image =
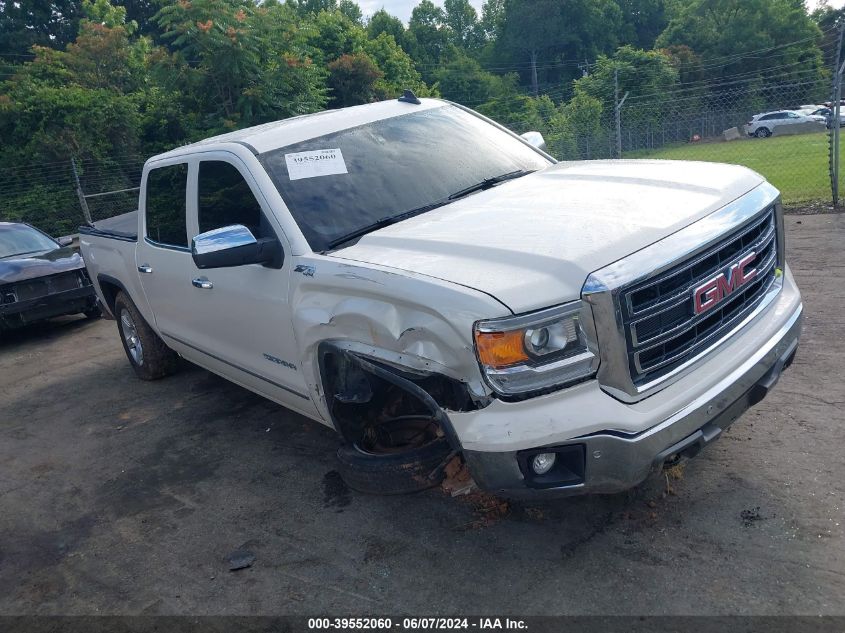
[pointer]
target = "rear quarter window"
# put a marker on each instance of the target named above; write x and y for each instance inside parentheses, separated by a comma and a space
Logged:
(166, 218)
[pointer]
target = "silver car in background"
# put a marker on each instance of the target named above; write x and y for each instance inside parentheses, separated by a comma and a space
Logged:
(784, 122)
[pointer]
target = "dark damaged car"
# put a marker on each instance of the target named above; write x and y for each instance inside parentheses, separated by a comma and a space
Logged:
(40, 278)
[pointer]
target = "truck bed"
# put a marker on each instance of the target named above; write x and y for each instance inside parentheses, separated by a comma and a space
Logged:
(108, 248)
(120, 227)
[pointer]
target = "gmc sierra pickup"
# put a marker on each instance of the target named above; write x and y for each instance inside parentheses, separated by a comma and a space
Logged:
(434, 286)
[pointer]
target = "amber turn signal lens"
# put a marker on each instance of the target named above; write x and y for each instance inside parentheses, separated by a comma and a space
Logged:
(500, 349)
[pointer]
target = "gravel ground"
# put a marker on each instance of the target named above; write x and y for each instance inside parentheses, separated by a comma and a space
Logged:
(124, 497)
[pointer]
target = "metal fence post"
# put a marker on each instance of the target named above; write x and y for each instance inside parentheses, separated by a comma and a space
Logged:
(82, 201)
(833, 143)
(617, 106)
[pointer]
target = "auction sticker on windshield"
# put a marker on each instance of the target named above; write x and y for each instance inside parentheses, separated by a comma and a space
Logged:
(321, 162)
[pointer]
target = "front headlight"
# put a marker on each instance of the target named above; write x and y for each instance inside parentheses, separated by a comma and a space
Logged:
(536, 351)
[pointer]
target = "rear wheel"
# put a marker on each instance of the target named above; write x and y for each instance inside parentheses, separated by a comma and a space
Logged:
(763, 132)
(147, 353)
(398, 456)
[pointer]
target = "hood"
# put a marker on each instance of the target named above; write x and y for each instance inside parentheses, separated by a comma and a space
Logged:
(532, 242)
(22, 267)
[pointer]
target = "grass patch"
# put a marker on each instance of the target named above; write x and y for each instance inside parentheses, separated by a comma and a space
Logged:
(797, 165)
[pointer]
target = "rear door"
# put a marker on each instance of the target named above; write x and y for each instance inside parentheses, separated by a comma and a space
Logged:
(163, 256)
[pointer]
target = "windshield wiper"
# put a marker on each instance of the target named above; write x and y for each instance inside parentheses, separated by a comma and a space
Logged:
(393, 219)
(489, 182)
(386, 221)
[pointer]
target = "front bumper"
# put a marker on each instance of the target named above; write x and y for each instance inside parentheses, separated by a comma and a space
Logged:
(615, 461)
(20, 313)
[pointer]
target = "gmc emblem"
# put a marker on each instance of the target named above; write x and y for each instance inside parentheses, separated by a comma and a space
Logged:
(711, 292)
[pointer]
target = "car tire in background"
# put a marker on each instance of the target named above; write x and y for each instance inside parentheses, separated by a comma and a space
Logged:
(147, 353)
(385, 471)
(763, 132)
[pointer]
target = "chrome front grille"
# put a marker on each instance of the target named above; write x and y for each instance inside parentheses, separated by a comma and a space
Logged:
(646, 327)
(661, 327)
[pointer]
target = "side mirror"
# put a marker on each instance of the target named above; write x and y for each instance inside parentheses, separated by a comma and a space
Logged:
(536, 139)
(67, 240)
(234, 246)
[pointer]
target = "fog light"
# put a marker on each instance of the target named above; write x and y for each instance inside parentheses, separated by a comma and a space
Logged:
(543, 462)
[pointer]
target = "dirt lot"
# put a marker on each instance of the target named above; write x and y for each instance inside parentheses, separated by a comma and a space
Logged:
(118, 496)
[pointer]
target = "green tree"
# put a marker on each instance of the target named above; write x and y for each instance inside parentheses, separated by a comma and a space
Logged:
(732, 33)
(305, 7)
(642, 22)
(576, 131)
(142, 12)
(351, 10)
(427, 36)
(828, 18)
(332, 34)
(382, 22)
(247, 63)
(353, 80)
(24, 23)
(549, 30)
(492, 18)
(396, 66)
(640, 74)
(462, 21)
(463, 80)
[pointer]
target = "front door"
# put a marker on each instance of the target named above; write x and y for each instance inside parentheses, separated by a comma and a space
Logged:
(242, 315)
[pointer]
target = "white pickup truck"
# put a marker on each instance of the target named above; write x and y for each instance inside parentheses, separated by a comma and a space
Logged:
(432, 285)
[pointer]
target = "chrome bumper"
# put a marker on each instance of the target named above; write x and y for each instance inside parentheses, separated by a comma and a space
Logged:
(614, 461)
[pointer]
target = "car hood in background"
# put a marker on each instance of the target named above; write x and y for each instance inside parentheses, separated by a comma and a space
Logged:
(532, 242)
(23, 267)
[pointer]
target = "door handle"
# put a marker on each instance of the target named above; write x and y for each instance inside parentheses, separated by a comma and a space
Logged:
(145, 268)
(202, 282)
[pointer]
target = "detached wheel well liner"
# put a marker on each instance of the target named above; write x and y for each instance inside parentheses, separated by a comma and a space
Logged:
(359, 388)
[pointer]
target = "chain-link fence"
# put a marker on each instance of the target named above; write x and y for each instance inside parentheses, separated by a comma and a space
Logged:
(59, 197)
(734, 121)
(779, 130)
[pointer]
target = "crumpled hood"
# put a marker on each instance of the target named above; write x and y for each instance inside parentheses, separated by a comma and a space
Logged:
(532, 242)
(21, 268)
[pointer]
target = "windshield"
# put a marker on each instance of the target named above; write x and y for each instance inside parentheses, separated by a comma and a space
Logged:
(19, 239)
(341, 183)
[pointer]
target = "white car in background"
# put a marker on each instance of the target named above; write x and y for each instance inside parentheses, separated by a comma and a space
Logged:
(783, 122)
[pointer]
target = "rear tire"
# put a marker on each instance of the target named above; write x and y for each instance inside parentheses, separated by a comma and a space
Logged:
(392, 473)
(147, 353)
(763, 132)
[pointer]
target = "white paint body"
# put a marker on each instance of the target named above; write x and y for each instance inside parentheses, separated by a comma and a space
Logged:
(409, 294)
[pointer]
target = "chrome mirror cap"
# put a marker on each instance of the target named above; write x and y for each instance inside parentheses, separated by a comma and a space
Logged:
(536, 139)
(222, 239)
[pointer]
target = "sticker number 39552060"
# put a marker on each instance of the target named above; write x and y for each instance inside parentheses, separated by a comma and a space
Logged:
(321, 162)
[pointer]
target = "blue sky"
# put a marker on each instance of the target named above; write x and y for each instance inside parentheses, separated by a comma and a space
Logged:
(402, 8)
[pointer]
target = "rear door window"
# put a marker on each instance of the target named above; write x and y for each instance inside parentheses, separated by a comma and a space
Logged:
(166, 218)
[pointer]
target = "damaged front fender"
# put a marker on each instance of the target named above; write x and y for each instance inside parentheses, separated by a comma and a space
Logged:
(414, 327)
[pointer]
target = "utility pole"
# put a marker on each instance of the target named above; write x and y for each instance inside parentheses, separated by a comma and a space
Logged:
(835, 123)
(617, 107)
(584, 68)
(82, 201)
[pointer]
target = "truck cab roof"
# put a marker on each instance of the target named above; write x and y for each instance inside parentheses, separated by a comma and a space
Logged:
(275, 134)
